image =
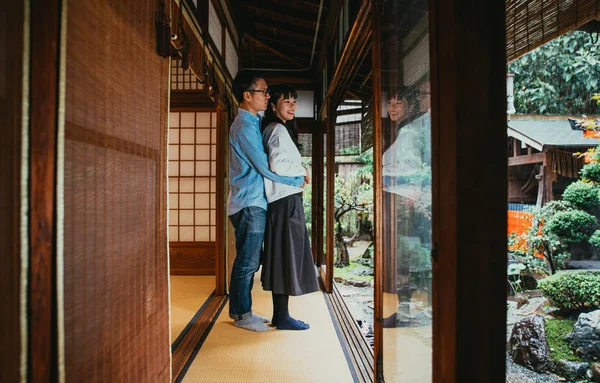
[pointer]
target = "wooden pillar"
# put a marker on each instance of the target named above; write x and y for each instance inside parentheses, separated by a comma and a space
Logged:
(378, 216)
(548, 195)
(317, 193)
(468, 66)
(46, 20)
(13, 189)
(541, 179)
(220, 272)
(330, 195)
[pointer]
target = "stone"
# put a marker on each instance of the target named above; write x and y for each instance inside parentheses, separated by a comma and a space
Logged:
(357, 283)
(595, 368)
(365, 262)
(362, 270)
(528, 345)
(571, 370)
(338, 279)
(584, 340)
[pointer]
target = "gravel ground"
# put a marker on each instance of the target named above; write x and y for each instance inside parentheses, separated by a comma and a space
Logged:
(515, 373)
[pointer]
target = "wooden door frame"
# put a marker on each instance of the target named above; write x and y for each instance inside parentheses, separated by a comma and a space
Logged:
(468, 82)
(326, 273)
(220, 178)
(468, 66)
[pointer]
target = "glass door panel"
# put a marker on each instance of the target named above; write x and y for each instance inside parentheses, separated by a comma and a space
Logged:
(405, 140)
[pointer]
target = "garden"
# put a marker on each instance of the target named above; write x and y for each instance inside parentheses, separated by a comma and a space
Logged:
(553, 320)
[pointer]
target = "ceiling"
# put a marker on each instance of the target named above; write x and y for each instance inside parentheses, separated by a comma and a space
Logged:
(280, 34)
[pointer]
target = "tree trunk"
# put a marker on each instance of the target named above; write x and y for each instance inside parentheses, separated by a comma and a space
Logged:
(343, 259)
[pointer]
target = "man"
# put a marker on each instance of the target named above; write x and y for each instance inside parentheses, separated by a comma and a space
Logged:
(247, 204)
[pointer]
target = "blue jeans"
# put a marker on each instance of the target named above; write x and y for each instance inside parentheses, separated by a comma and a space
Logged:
(249, 224)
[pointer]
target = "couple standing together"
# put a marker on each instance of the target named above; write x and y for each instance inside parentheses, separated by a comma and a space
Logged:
(266, 178)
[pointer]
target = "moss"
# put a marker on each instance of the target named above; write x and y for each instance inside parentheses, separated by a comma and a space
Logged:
(346, 273)
(556, 329)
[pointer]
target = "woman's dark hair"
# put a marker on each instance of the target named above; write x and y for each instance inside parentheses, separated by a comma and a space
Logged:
(276, 92)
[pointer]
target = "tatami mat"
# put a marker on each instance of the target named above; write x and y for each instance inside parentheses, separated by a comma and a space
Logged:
(231, 355)
(188, 294)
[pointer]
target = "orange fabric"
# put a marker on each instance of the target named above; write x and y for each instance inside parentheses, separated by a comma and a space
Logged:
(519, 223)
(591, 133)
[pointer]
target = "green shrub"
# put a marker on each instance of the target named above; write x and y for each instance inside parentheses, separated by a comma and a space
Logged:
(595, 238)
(572, 291)
(591, 172)
(583, 196)
(573, 226)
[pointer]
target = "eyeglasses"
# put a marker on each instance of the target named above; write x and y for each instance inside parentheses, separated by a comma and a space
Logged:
(265, 92)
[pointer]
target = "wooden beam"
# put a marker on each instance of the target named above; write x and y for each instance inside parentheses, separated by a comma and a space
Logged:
(280, 16)
(293, 47)
(308, 38)
(515, 147)
(272, 50)
(526, 159)
(302, 4)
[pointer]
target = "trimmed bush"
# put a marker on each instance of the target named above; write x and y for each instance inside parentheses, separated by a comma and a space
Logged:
(595, 239)
(582, 195)
(573, 226)
(591, 172)
(572, 291)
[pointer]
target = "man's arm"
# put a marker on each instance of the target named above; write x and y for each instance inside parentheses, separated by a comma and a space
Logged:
(251, 144)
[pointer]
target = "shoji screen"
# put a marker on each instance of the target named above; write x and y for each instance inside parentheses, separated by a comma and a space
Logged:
(183, 80)
(116, 313)
(192, 191)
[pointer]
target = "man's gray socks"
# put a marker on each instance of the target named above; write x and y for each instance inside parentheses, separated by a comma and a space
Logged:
(252, 323)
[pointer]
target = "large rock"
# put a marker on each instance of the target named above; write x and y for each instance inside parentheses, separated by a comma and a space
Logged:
(571, 370)
(596, 372)
(584, 340)
(528, 344)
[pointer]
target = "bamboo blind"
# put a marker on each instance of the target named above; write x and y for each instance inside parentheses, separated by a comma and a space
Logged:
(11, 104)
(192, 176)
(116, 313)
(531, 23)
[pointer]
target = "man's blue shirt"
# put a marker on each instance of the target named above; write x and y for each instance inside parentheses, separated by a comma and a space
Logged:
(248, 164)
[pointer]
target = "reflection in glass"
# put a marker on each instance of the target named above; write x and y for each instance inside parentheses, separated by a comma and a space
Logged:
(325, 255)
(406, 173)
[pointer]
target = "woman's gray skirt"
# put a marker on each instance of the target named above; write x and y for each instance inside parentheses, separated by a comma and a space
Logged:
(288, 266)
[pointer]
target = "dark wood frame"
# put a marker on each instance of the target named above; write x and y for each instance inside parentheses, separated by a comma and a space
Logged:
(45, 106)
(469, 257)
(14, 194)
(220, 262)
(220, 178)
(317, 194)
(327, 273)
(377, 195)
(468, 66)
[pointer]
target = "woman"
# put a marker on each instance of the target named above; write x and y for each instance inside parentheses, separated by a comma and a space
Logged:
(407, 202)
(288, 267)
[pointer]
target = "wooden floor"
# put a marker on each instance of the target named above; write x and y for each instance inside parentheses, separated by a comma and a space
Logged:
(230, 354)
